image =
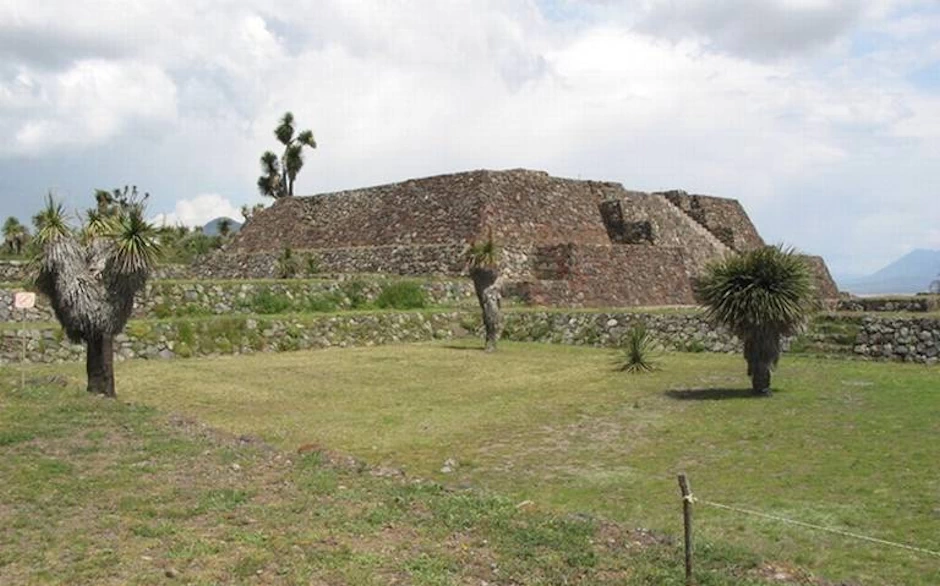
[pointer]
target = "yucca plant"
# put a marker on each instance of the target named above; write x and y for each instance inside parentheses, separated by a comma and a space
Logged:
(15, 235)
(280, 174)
(91, 276)
(761, 296)
(482, 260)
(637, 348)
(287, 265)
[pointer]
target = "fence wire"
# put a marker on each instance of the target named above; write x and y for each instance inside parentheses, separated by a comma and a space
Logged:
(693, 499)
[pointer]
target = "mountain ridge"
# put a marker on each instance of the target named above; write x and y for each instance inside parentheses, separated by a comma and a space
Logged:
(909, 274)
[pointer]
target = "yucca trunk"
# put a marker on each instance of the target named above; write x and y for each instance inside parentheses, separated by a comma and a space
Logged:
(99, 365)
(760, 377)
(762, 351)
(487, 290)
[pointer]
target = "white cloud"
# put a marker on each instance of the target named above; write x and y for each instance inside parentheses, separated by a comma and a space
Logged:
(90, 102)
(198, 211)
(812, 141)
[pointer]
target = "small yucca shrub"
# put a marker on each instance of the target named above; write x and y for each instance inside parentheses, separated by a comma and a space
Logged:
(288, 265)
(637, 350)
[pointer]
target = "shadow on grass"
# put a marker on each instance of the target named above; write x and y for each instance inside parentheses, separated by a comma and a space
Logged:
(712, 394)
(459, 347)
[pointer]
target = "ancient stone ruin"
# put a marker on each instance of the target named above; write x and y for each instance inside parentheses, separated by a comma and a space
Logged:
(565, 241)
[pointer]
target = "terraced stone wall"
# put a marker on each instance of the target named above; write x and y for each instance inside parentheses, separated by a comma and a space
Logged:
(607, 276)
(914, 303)
(162, 299)
(725, 218)
(908, 340)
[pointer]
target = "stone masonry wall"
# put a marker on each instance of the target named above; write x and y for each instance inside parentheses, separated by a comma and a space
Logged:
(674, 229)
(418, 260)
(237, 335)
(903, 339)
(16, 271)
(725, 218)
(434, 259)
(522, 208)
(909, 340)
(916, 304)
(162, 299)
(531, 207)
(612, 276)
(243, 335)
(826, 288)
(435, 210)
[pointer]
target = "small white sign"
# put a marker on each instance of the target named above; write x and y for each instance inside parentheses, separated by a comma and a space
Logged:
(24, 300)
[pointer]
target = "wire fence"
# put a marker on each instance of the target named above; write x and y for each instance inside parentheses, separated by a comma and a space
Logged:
(689, 500)
(832, 530)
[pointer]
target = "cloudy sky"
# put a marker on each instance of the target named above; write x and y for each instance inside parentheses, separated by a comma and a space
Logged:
(821, 116)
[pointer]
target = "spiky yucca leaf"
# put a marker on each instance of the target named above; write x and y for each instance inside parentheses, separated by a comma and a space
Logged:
(98, 225)
(136, 243)
(484, 254)
(51, 222)
(306, 138)
(636, 351)
(768, 289)
(285, 130)
(287, 265)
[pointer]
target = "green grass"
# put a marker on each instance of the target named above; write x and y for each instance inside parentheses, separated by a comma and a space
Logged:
(96, 491)
(842, 443)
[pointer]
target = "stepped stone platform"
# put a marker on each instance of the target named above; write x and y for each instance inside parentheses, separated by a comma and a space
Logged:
(565, 242)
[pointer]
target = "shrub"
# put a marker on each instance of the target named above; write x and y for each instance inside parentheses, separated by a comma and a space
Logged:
(355, 292)
(287, 265)
(636, 351)
(265, 302)
(311, 265)
(402, 295)
(321, 303)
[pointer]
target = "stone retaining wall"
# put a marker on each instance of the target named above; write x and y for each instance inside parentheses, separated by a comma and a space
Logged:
(623, 275)
(183, 338)
(161, 299)
(673, 331)
(237, 335)
(908, 340)
(914, 304)
(17, 271)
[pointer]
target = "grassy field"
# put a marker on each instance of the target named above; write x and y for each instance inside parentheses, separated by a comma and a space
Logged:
(101, 492)
(841, 443)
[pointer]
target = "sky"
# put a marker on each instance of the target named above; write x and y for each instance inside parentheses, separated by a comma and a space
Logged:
(821, 116)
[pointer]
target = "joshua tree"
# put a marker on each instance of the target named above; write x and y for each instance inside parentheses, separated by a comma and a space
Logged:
(279, 174)
(15, 235)
(483, 262)
(761, 296)
(91, 277)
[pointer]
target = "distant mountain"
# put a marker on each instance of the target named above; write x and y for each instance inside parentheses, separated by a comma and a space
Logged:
(212, 228)
(912, 273)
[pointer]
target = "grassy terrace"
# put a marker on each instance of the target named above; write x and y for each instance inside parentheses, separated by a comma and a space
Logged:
(103, 492)
(842, 443)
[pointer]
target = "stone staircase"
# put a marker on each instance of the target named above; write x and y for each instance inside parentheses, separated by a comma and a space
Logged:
(697, 225)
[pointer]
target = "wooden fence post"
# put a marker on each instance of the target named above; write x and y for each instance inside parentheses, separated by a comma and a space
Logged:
(687, 520)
